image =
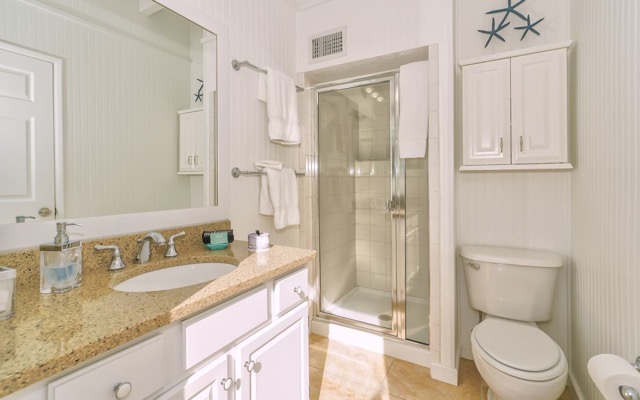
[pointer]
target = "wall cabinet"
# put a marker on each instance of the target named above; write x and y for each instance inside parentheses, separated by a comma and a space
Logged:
(191, 142)
(514, 112)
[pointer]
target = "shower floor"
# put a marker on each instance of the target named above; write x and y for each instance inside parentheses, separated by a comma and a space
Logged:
(374, 307)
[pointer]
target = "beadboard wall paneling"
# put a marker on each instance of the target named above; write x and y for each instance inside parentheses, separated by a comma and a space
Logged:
(263, 32)
(605, 186)
(103, 60)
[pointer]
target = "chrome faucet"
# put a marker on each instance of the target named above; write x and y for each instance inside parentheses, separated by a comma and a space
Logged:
(144, 246)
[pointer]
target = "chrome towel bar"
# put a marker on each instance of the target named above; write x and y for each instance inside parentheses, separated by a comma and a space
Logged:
(237, 172)
(239, 64)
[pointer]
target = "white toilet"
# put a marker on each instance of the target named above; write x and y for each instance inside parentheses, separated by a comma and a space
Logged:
(514, 288)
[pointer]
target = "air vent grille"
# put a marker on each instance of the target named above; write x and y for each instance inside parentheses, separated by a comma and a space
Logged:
(328, 45)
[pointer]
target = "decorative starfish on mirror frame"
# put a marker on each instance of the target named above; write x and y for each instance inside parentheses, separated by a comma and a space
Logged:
(509, 9)
(529, 27)
(494, 31)
(199, 94)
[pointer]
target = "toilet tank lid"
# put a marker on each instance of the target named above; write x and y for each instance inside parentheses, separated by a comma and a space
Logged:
(507, 255)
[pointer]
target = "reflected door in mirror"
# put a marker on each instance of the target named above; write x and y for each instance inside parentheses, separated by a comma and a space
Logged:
(26, 137)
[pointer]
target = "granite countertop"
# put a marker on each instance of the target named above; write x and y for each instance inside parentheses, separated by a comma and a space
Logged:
(54, 332)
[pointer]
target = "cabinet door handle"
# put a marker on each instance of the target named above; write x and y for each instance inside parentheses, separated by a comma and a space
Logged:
(501, 145)
(189, 160)
(122, 389)
(226, 383)
(195, 160)
(250, 365)
(521, 144)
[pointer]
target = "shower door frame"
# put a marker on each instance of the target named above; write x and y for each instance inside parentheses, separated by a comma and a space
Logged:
(398, 223)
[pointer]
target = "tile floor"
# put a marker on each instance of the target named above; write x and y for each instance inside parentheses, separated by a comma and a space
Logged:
(342, 372)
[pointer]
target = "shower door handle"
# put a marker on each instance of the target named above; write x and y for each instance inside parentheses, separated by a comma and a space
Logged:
(389, 206)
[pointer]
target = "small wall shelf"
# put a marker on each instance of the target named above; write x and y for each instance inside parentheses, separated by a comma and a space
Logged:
(516, 167)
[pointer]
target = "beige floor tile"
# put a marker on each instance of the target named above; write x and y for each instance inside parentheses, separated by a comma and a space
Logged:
(349, 363)
(327, 386)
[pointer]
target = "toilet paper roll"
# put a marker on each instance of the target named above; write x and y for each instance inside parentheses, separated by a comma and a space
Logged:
(609, 372)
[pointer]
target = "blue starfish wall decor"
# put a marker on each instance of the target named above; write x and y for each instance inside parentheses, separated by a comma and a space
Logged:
(529, 27)
(510, 9)
(494, 31)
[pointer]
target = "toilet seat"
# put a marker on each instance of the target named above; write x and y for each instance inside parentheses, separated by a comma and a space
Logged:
(518, 349)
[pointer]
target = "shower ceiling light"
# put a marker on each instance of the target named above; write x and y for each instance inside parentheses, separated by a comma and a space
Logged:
(374, 94)
(368, 89)
(380, 99)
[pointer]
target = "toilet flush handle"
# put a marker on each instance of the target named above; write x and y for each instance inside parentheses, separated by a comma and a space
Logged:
(473, 265)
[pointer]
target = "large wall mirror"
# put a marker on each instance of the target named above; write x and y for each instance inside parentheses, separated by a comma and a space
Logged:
(128, 86)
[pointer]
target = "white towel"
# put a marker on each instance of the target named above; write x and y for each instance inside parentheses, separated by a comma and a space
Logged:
(262, 164)
(283, 190)
(414, 110)
(279, 92)
(266, 206)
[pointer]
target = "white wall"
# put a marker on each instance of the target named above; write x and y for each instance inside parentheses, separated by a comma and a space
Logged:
(516, 209)
(605, 216)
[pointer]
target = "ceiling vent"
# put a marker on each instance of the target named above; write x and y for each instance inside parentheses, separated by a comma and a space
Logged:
(328, 45)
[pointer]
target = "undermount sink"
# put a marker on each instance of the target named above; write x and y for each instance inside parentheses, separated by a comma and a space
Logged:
(175, 277)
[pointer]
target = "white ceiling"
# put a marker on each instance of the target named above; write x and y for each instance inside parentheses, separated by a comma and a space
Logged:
(305, 4)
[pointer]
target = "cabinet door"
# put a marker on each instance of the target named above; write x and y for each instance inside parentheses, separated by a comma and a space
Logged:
(273, 364)
(214, 381)
(486, 113)
(539, 108)
(191, 137)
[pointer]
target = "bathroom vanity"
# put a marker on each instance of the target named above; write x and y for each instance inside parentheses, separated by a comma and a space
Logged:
(243, 335)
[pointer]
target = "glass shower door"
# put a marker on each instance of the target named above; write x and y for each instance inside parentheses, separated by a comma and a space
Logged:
(356, 184)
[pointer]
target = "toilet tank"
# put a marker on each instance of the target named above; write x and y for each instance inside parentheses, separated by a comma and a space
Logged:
(511, 283)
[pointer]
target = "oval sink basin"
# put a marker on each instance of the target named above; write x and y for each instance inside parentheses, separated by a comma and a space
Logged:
(175, 277)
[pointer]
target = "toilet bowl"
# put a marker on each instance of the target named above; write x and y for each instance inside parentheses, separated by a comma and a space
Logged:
(514, 288)
(518, 361)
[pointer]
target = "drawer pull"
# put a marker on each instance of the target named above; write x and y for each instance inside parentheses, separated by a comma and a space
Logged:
(122, 389)
(226, 383)
(297, 290)
(250, 365)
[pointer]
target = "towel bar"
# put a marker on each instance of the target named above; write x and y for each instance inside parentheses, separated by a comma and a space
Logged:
(236, 172)
(239, 64)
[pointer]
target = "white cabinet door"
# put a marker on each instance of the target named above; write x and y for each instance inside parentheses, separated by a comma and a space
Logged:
(214, 381)
(191, 142)
(539, 107)
(486, 113)
(273, 364)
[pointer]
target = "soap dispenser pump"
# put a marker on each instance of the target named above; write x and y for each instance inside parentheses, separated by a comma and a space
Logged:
(60, 262)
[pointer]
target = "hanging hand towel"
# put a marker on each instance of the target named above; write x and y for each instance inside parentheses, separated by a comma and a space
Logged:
(265, 206)
(414, 110)
(283, 188)
(262, 164)
(282, 106)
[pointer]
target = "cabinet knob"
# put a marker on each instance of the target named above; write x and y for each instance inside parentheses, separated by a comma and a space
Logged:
(226, 383)
(122, 389)
(297, 290)
(250, 365)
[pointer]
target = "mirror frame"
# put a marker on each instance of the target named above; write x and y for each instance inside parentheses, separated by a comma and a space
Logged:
(27, 235)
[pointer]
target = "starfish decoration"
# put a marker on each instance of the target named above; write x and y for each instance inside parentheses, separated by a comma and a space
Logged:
(509, 9)
(529, 27)
(199, 94)
(494, 31)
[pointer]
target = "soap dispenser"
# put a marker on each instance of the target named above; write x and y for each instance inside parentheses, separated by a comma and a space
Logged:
(60, 262)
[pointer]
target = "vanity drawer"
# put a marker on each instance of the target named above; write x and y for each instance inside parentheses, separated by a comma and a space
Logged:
(206, 335)
(290, 290)
(141, 366)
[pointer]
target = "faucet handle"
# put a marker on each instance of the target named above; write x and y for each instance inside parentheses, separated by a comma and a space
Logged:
(116, 261)
(171, 246)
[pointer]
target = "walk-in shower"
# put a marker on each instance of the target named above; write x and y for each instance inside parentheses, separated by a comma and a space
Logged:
(372, 208)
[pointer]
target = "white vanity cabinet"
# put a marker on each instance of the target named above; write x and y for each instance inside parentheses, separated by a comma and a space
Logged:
(191, 142)
(514, 111)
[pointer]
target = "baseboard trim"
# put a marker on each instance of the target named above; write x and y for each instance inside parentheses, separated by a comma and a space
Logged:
(576, 392)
